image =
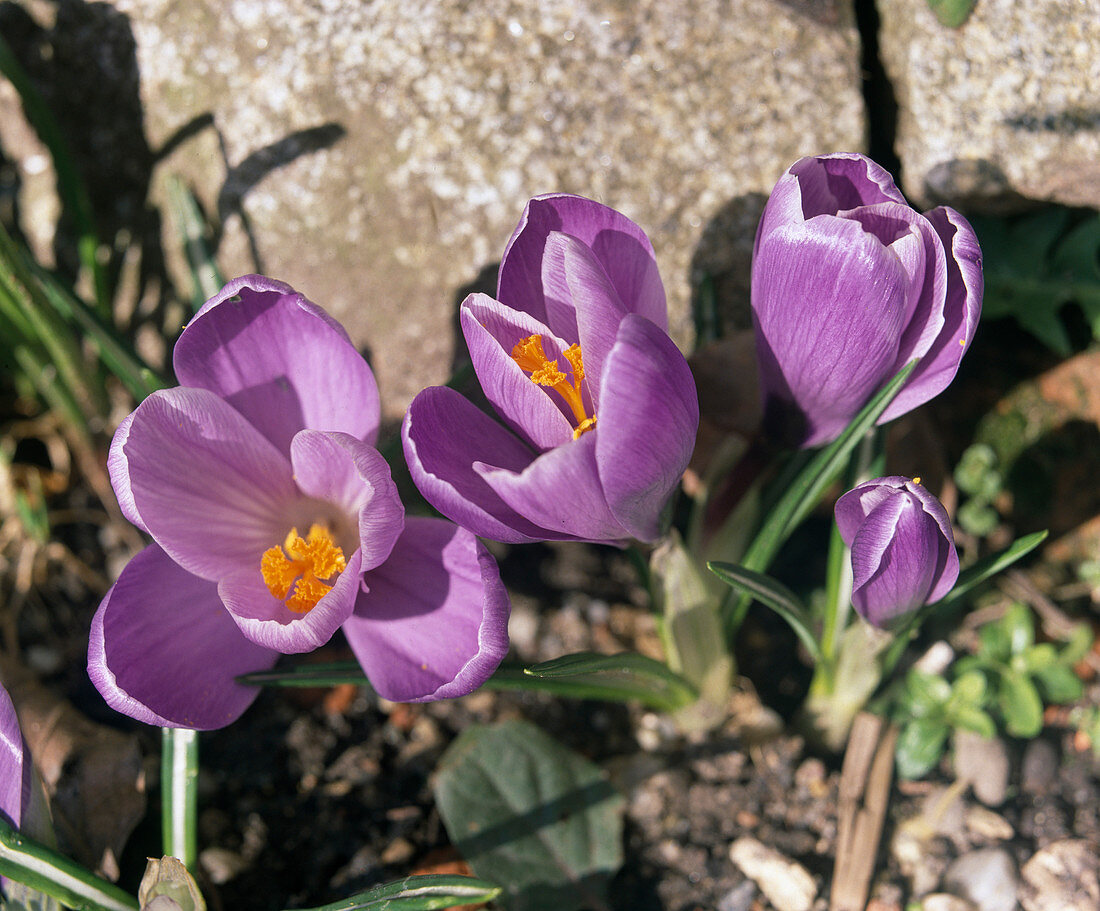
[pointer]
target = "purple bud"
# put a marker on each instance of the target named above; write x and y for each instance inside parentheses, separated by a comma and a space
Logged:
(903, 551)
(849, 284)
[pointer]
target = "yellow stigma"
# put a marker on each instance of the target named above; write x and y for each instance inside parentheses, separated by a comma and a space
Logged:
(304, 568)
(916, 480)
(531, 357)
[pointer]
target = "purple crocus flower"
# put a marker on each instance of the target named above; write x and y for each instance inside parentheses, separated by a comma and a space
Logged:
(903, 551)
(849, 284)
(16, 769)
(599, 405)
(275, 522)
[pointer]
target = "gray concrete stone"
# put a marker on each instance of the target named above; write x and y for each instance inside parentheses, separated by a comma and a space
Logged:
(1006, 106)
(378, 155)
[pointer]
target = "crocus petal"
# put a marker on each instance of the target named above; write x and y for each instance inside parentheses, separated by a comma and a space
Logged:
(828, 330)
(947, 561)
(894, 557)
(209, 488)
(163, 650)
(267, 621)
(620, 246)
(434, 623)
(279, 360)
(120, 473)
(560, 491)
(962, 308)
(443, 436)
(570, 266)
(647, 421)
(339, 469)
(853, 508)
(15, 776)
(492, 331)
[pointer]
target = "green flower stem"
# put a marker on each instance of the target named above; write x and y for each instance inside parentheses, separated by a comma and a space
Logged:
(179, 773)
(43, 869)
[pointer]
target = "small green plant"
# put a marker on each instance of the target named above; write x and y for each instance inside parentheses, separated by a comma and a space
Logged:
(929, 708)
(1021, 673)
(978, 476)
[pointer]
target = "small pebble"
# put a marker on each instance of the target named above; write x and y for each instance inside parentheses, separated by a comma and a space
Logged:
(221, 864)
(1062, 877)
(1040, 766)
(986, 877)
(739, 898)
(986, 825)
(945, 901)
(985, 764)
(787, 884)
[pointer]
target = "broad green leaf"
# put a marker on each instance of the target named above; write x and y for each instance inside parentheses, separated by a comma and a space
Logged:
(418, 893)
(1039, 657)
(952, 13)
(532, 815)
(969, 718)
(626, 675)
(1058, 683)
(969, 689)
(1078, 644)
(775, 595)
(47, 871)
(1021, 706)
(926, 693)
(920, 746)
(975, 575)
(1019, 625)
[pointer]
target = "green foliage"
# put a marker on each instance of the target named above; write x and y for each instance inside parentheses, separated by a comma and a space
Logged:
(1022, 673)
(1037, 263)
(929, 708)
(952, 13)
(978, 476)
(419, 893)
(529, 813)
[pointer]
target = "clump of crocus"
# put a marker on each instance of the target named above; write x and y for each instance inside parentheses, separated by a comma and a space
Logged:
(275, 522)
(903, 550)
(599, 405)
(849, 284)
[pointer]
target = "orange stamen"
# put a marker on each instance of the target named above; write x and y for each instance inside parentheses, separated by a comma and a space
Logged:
(532, 359)
(304, 568)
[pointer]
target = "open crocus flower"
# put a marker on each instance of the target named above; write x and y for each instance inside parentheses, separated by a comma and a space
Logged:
(600, 406)
(849, 284)
(275, 522)
(16, 770)
(903, 550)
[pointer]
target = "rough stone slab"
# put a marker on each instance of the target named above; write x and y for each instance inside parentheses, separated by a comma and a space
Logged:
(378, 155)
(1007, 106)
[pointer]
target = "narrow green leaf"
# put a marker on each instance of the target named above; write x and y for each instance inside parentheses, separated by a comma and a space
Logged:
(626, 675)
(206, 277)
(975, 575)
(179, 775)
(775, 595)
(532, 815)
(418, 893)
(47, 871)
(331, 673)
(808, 487)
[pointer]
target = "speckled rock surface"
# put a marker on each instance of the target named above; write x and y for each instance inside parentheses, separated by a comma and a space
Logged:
(1004, 107)
(377, 155)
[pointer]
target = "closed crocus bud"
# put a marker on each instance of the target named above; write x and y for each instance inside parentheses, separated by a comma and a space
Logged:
(903, 551)
(849, 284)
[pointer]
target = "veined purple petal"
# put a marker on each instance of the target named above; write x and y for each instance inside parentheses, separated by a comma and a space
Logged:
(492, 331)
(620, 246)
(434, 623)
(962, 308)
(828, 303)
(842, 181)
(352, 475)
(560, 491)
(163, 650)
(208, 486)
(267, 621)
(597, 307)
(947, 560)
(279, 360)
(444, 435)
(119, 473)
(853, 508)
(894, 557)
(647, 422)
(15, 775)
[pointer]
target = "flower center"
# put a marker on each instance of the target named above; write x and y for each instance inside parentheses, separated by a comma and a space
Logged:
(531, 357)
(303, 568)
